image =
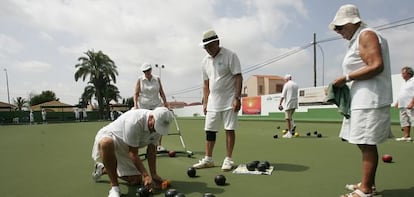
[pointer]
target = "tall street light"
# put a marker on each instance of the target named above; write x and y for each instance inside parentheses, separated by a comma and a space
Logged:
(323, 64)
(159, 68)
(7, 83)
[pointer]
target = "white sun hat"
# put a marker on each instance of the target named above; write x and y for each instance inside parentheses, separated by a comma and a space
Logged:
(208, 37)
(145, 67)
(346, 14)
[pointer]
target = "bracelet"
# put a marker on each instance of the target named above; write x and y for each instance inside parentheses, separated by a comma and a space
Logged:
(347, 79)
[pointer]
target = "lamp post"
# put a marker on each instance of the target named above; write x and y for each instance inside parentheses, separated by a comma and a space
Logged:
(323, 64)
(159, 69)
(7, 83)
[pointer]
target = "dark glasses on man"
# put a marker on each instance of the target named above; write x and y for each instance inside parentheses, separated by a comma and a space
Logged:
(339, 28)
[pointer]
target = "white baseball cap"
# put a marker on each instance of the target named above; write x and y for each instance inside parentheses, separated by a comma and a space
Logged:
(163, 117)
(208, 37)
(346, 14)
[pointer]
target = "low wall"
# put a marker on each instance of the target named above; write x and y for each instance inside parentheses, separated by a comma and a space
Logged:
(324, 113)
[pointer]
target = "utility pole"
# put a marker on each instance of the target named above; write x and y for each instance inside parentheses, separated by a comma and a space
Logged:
(314, 59)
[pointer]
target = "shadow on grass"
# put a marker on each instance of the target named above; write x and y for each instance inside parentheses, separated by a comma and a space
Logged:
(289, 167)
(397, 192)
(185, 187)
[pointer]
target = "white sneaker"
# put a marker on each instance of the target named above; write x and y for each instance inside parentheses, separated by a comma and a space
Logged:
(161, 148)
(403, 139)
(227, 165)
(97, 173)
(114, 193)
(204, 163)
(287, 135)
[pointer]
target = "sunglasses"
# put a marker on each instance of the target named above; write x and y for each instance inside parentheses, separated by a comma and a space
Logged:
(339, 28)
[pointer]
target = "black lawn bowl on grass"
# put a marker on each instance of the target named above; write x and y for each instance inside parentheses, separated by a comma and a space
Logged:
(220, 180)
(262, 167)
(143, 191)
(171, 193)
(191, 172)
(251, 166)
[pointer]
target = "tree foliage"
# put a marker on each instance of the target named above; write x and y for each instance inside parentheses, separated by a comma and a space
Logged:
(20, 103)
(45, 96)
(100, 72)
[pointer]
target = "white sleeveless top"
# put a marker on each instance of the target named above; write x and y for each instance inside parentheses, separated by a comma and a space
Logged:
(149, 96)
(375, 92)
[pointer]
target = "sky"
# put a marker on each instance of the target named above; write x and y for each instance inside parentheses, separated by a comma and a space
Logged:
(41, 41)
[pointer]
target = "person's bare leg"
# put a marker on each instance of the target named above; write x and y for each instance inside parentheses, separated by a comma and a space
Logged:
(289, 125)
(406, 131)
(230, 141)
(107, 149)
(369, 166)
(209, 148)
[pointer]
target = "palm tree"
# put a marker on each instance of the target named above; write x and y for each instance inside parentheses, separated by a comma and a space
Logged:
(100, 69)
(110, 93)
(88, 93)
(20, 103)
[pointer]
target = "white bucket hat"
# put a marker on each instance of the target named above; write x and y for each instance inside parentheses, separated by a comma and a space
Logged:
(145, 67)
(208, 37)
(346, 14)
(163, 117)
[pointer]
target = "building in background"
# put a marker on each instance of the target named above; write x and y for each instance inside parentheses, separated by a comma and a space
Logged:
(257, 85)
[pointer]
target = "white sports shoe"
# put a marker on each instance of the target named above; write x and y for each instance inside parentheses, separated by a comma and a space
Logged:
(287, 135)
(227, 165)
(160, 148)
(403, 139)
(114, 193)
(97, 173)
(204, 163)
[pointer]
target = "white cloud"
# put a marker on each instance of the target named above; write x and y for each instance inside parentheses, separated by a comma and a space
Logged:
(34, 66)
(9, 45)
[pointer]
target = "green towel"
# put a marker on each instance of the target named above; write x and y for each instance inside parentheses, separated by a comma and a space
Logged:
(341, 98)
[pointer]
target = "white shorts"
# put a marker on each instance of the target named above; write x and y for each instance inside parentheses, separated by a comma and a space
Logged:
(214, 120)
(367, 126)
(289, 113)
(125, 166)
(406, 117)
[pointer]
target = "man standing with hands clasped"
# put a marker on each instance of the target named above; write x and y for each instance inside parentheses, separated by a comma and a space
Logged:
(290, 100)
(405, 103)
(221, 97)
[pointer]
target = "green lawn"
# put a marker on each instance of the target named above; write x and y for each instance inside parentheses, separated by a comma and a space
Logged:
(54, 160)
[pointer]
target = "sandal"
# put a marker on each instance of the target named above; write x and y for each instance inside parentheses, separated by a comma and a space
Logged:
(353, 187)
(359, 193)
